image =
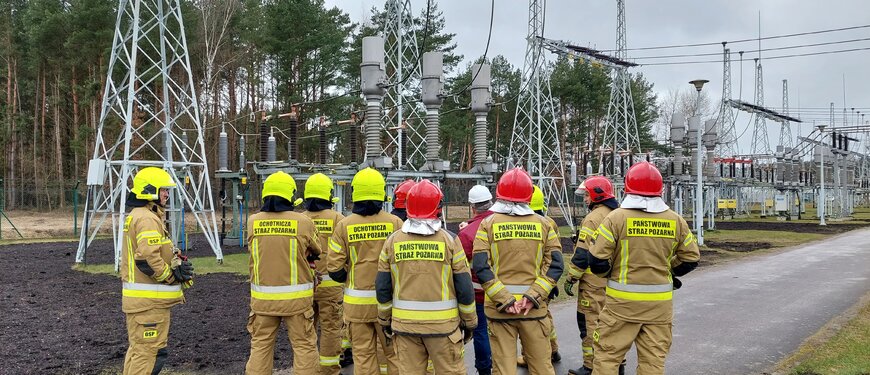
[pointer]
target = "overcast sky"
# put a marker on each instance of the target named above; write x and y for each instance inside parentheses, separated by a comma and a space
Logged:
(814, 81)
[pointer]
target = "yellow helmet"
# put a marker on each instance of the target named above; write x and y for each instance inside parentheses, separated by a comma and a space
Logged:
(279, 184)
(318, 186)
(148, 182)
(368, 185)
(537, 203)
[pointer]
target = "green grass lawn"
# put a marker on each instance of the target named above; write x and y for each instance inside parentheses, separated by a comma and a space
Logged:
(846, 353)
(233, 263)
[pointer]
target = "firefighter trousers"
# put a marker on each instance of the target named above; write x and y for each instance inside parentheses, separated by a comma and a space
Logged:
(303, 339)
(613, 338)
(327, 314)
(147, 333)
(366, 339)
(445, 352)
(589, 304)
(535, 338)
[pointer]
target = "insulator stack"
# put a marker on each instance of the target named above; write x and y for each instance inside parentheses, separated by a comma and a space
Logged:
(293, 131)
(264, 141)
(223, 152)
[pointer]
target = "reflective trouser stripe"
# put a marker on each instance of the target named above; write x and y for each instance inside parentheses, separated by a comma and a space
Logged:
(326, 282)
(154, 291)
(282, 292)
(328, 361)
(345, 344)
(360, 297)
(640, 292)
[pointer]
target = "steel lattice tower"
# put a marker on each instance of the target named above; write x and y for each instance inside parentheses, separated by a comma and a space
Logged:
(535, 141)
(620, 130)
(727, 133)
(785, 138)
(760, 141)
(402, 117)
(149, 92)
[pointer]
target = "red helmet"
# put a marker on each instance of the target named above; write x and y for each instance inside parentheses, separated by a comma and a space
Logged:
(643, 179)
(599, 188)
(401, 193)
(515, 185)
(424, 200)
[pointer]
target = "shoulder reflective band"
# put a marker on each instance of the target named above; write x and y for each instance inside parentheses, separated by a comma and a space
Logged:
(283, 292)
(334, 246)
(419, 310)
(517, 231)
(419, 250)
(324, 226)
(360, 297)
(153, 291)
(604, 232)
(275, 227)
(127, 223)
(639, 292)
(369, 232)
(661, 228)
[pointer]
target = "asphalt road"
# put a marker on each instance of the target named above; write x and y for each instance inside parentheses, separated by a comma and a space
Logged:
(744, 316)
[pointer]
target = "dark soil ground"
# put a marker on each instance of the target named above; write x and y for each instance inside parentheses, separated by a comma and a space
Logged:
(59, 321)
(787, 226)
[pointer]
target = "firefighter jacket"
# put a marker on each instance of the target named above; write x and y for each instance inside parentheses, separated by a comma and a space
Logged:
(516, 256)
(281, 245)
(466, 237)
(354, 249)
(146, 261)
(642, 249)
(424, 285)
(579, 266)
(325, 221)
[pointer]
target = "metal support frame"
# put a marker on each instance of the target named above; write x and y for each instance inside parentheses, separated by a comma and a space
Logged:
(728, 146)
(535, 141)
(150, 91)
(760, 141)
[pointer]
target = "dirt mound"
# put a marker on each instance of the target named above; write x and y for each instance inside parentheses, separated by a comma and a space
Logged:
(787, 226)
(742, 247)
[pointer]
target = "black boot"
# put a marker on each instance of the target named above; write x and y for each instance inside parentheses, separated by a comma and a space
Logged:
(346, 358)
(581, 371)
(555, 357)
(484, 371)
(622, 368)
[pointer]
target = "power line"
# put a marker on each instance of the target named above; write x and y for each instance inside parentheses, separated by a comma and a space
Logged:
(485, 52)
(766, 58)
(745, 40)
(752, 51)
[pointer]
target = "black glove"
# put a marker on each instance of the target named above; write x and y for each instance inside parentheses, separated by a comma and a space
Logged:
(388, 332)
(677, 283)
(569, 286)
(467, 333)
(184, 272)
(553, 293)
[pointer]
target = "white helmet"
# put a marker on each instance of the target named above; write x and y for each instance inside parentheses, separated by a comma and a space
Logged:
(479, 193)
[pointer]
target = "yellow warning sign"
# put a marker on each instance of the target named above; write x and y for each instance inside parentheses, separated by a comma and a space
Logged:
(722, 204)
(732, 203)
(369, 232)
(419, 250)
(275, 227)
(652, 228)
(517, 231)
(324, 226)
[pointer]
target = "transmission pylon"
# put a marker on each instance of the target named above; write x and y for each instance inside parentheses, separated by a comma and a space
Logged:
(150, 93)
(785, 139)
(728, 135)
(620, 131)
(760, 141)
(535, 141)
(402, 117)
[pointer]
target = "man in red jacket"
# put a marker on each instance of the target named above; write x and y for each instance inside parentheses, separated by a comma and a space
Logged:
(480, 200)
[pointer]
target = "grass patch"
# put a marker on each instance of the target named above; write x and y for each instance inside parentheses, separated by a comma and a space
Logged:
(233, 263)
(846, 353)
(773, 237)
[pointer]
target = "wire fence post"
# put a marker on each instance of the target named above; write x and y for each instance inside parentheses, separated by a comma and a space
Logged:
(75, 199)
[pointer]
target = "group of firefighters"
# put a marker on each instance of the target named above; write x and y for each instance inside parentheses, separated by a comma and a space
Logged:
(401, 294)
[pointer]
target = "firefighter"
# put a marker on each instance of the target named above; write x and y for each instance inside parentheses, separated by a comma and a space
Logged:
(283, 246)
(424, 291)
(537, 204)
(518, 259)
(641, 248)
(399, 198)
(480, 200)
(318, 205)
(354, 249)
(153, 275)
(597, 192)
